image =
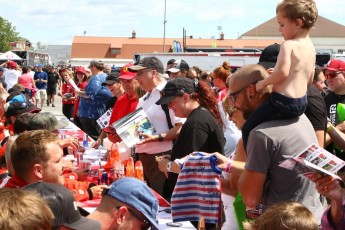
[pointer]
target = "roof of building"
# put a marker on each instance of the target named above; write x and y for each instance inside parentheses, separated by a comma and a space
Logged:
(118, 42)
(323, 27)
(125, 47)
(97, 47)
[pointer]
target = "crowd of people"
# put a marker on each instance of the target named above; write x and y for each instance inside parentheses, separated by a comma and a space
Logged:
(250, 121)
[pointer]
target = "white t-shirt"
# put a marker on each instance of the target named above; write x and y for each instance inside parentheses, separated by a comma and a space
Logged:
(11, 77)
(158, 119)
(231, 133)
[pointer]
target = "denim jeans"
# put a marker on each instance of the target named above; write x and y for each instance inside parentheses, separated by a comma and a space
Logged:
(277, 106)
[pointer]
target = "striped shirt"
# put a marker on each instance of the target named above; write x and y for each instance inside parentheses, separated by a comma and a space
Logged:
(197, 191)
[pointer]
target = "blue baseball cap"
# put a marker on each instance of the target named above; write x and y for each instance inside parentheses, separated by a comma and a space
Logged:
(137, 195)
(39, 65)
(19, 98)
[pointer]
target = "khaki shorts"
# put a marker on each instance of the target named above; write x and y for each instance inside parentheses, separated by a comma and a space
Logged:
(41, 94)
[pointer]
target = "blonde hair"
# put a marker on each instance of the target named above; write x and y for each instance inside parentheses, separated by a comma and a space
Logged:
(299, 9)
(284, 216)
(68, 72)
(227, 104)
(24, 210)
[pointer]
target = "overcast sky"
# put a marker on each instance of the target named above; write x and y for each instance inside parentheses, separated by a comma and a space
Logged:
(55, 22)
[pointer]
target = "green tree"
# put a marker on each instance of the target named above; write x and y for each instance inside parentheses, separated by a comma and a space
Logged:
(40, 45)
(8, 34)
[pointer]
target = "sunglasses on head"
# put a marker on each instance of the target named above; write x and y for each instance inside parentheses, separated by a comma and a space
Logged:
(230, 110)
(332, 75)
(172, 92)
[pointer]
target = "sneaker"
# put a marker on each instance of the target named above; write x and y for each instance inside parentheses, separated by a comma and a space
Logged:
(53, 105)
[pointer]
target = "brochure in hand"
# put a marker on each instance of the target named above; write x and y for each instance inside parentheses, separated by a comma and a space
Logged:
(67, 96)
(103, 121)
(74, 85)
(131, 126)
(314, 159)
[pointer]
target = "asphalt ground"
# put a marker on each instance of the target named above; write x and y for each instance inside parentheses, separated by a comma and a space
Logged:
(57, 110)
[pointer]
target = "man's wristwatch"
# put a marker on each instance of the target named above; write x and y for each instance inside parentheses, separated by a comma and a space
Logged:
(330, 127)
(160, 138)
(169, 166)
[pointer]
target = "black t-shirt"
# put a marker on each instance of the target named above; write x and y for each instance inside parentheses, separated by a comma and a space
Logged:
(53, 79)
(200, 132)
(111, 102)
(316, 109)
(332, 100)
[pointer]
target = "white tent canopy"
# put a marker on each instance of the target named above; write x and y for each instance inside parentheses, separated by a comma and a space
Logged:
(9, 55)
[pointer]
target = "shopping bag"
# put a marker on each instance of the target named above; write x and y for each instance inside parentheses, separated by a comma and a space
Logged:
(240, 211)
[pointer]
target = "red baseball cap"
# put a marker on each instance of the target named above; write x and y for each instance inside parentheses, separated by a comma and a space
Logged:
(12, 65)
(81, 70)
(335, 65)
(126, 74)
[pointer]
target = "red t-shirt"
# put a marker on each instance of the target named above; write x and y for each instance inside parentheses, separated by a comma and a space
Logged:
(15, 182)
(123, 106)
(78, 188)
(67, 88)
(221, 94)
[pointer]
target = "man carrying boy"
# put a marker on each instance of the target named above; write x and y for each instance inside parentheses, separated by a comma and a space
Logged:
(294, 69)
(269, 144)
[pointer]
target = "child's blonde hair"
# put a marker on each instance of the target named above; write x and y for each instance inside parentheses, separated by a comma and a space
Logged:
(284, 216)
(299, 9)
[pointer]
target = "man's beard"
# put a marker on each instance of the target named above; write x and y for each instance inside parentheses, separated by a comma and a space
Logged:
(246, 109)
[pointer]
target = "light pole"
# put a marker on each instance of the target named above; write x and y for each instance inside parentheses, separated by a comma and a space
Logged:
(165, 4)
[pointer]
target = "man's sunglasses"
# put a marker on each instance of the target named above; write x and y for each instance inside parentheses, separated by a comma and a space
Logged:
(233, 96)
(332, 75)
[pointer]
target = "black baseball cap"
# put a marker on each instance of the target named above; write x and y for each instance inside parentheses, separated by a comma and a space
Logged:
(148, 63)
(269, 55)
(111, 79)
(171, 61)
(178, 66)
(17, 108)
(62, 203)
(177, 87)
(18, 104)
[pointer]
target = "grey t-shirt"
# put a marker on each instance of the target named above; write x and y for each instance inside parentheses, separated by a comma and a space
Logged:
(271, 143)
